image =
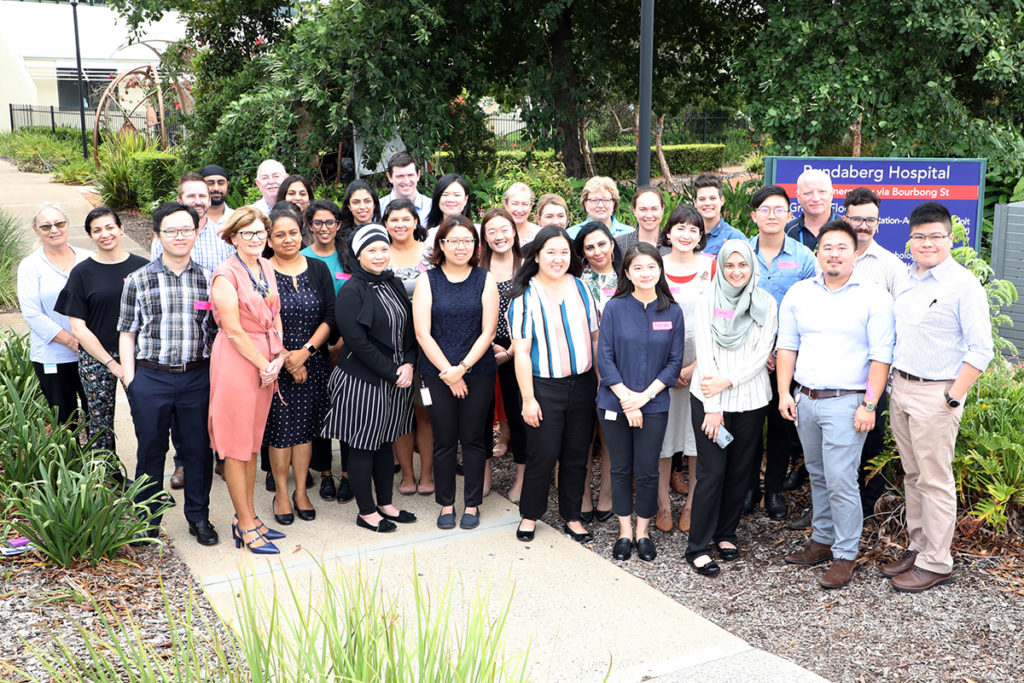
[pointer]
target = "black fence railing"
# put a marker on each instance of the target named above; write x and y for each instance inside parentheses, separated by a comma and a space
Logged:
(25, 116)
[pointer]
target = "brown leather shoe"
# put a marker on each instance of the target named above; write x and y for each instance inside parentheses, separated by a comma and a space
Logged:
(814, 553)
(178, 478)
(678, 483)
(897, 567)
(684, 519)
(916, 580)
(839, 574)
(664, 520)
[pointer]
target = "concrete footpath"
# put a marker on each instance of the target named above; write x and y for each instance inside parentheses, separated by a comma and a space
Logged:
(581, 617)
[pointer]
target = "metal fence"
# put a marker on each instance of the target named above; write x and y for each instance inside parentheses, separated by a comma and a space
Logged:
(24, 116)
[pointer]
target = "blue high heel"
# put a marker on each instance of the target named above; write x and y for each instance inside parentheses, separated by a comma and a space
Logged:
(268, 533)
(267, 548)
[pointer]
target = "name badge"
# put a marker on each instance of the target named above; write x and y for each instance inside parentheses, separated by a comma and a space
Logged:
(49, 368)
(675, 290)
(202, 306)
(608, 291)
(786, 265)
(425, 395)
(610, 415)
(342, 276)
(724, 313)
(661, 325)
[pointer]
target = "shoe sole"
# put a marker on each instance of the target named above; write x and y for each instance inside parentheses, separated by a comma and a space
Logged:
(940, 582)
(800, 563)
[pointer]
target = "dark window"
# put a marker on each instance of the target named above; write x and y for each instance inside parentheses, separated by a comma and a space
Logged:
(94, 82)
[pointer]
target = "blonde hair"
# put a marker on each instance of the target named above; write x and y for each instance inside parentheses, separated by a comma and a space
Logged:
(516, 188)
(243, 217)
(597, 183)
(551, 198)
(43, 207)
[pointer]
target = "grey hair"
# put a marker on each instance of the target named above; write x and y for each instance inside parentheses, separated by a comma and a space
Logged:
(43, 207)
(518, 187)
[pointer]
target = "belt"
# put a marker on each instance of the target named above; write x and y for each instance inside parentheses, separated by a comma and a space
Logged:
(915, 378)
(174, 369)
(826, 393)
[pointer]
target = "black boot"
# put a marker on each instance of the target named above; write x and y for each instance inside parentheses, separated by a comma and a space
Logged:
(750, 501)
(796, 479)
(775, 506)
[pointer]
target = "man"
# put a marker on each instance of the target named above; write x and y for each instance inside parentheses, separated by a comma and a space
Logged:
(835, 340)
(209, 250)
(269, 176)
(782, 262)
(166, 329)
(814, 192)
(943, 343)
(217, 183)
(709, 199)
(404, 176)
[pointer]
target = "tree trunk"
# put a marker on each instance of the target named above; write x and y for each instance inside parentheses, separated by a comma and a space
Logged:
(856, 130)
(562, 95)
(588, 159)
(666, 172)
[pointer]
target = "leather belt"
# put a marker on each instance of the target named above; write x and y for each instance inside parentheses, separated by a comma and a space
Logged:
(915, 378)
(174, 369)
(826, 393)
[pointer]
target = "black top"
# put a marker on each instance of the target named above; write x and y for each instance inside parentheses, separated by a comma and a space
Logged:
(456, 319)
(322, 284)
(364, 324)
(93, 293)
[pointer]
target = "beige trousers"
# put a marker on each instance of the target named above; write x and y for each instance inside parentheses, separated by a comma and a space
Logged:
(925, 429)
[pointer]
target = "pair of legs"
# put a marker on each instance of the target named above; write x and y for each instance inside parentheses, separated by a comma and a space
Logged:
(421, 438)
(99, 387)
(513, 403)
(781, 446)
(296, 457)
(664, 475)
(634, 454)
(240, 476)
(604, 496)
(369, 471)
(62, 388)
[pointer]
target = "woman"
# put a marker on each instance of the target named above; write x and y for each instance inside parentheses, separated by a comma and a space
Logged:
(246, 357)
(735, 325)
(648, 208)
(639, 355)
(323, 220)
(297, 190)
(409, 261)
(91, 300)
(551, 210)
(501, 256)
(361, 206)
(451, 197)
(371, 389)
(518, 201)
(600, 201)
(553, 322)
(601, 254)
(455, 309)
(307, 322)
(689, 275)
(41, 277)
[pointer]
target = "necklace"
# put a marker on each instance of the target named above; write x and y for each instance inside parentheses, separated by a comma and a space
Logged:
(260, 286)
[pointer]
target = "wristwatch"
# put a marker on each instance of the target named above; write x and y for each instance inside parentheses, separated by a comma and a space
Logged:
(868, 406)
(465, 367)
(309, 347)
(951, 402)
(652, 394)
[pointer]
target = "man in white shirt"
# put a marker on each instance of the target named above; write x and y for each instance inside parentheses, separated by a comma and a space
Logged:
(217, 183)
(269, 176)
(404, 176)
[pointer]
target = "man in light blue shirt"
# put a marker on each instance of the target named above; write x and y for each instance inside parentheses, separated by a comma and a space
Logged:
(835, 340)
(209, 250)
(708, 197)
(404, 176)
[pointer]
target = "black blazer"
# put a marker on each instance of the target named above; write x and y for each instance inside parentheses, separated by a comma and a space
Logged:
(363, 324)
(320, 281)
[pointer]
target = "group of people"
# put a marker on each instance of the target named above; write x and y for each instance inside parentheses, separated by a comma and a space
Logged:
(398, 324)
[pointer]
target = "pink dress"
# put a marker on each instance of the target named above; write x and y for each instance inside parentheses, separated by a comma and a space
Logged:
(238, 404)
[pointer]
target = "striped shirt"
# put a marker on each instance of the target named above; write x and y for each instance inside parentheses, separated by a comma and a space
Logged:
(209, 251)
(942, 322)
(560, 334)
(170, 313)
(744, 365)
(879, 265)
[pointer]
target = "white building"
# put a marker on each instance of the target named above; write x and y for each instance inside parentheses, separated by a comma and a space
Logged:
(37, 57)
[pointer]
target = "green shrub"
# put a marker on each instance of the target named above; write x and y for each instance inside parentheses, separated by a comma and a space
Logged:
(117, 187)
(33, 151)
(154, 176)
(738, 143)
(12, 249)
(620, 162)
(77, 171)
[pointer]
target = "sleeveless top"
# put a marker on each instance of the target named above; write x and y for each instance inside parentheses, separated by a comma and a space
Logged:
(456, 320)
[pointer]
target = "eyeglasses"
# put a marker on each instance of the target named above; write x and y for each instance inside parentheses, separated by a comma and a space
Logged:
(861, 220)
(463, 242)
(778, 211)
(919, 238)
(250, 235)
(180, 232)
(47, 227)
(599, 200)
(330, 223)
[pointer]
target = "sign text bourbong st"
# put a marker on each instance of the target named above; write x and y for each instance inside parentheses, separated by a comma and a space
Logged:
(901, 183)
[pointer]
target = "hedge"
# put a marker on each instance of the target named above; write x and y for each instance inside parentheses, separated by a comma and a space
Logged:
(152, 174)
(620, 162)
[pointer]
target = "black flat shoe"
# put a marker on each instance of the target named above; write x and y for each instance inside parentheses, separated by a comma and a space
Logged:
(775, 505)
(601, 515)
(403, 516)
(309, 479)
(270, 484)
(709, 569)
(345, 492)
(645, 549)
(587, 516)
(584, 537)
(304, 515)
(327, 488)
(727, 554)
(524, 535)
(283, 520)
(383, 526)
(623, 549)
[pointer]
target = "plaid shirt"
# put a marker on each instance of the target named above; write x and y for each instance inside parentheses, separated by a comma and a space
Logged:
(169, 313)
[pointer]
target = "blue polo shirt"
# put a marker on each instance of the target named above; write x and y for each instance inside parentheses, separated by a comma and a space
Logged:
(798, 231)
(794, 263)
(618, 228)
(718, 235)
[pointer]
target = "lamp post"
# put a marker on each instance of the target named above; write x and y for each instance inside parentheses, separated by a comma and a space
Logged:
(81, 85)
(643, 173)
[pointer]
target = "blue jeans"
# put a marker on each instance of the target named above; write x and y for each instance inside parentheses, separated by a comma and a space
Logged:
(832, 450)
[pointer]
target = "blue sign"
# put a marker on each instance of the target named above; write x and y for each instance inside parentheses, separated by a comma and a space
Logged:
(902, 184)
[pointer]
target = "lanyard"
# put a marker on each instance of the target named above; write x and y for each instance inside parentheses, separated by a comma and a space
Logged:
(262, 287)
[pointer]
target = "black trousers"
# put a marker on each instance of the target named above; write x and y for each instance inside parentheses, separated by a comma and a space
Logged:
(369, 470)
(62, 389)
(782, 445)
(564, 435)
(722, 477)
(156, 398)
(513, 410)
(454, 421)
(635, 453)
(873, 445)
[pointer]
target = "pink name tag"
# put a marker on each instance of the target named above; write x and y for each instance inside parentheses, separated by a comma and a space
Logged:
(724, 313)
(661, 325)
(342, 276)
(786, 265)
(675, 290)
(422, 268)
(608, 291)
(202, 305)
